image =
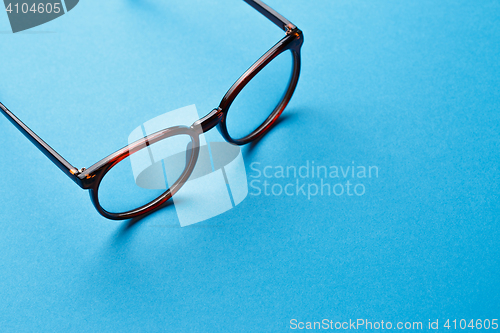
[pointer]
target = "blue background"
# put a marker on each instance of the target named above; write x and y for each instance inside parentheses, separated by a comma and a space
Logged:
(408, 86)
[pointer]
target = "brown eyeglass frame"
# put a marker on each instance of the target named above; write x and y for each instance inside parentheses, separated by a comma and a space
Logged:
(90, 179)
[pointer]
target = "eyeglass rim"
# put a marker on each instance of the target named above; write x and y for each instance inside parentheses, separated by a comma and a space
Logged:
(100, 171)
(291, 42)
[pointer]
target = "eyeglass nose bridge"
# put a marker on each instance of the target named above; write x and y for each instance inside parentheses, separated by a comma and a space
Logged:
(209, 121)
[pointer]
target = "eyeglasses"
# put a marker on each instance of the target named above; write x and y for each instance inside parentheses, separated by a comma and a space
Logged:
(244, 115)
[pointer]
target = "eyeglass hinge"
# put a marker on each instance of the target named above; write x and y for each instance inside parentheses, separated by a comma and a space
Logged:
(290, 28)
(76, 172)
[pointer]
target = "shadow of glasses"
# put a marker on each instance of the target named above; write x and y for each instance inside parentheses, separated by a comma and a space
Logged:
(249, 149)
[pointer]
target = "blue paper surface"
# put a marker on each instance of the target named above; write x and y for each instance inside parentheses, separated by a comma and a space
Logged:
(408, 87)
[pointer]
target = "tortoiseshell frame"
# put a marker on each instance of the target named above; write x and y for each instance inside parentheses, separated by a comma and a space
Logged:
(90, 179)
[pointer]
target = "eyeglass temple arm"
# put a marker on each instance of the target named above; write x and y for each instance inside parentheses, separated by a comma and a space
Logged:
(61, 163)
(271, 14)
